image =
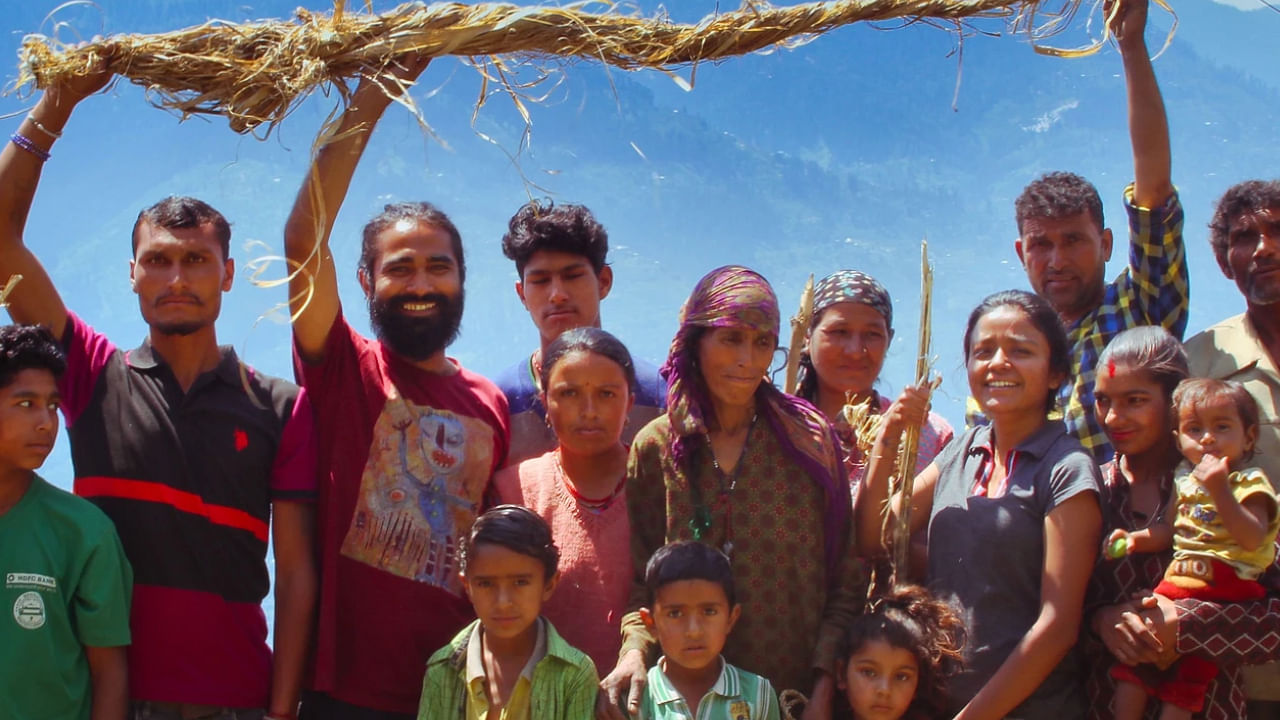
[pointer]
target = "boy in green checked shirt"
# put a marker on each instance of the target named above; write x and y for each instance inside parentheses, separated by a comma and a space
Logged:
(691, 611)
(510, 664)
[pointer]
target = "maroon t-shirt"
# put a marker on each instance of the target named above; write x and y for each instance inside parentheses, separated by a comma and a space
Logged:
(406, 457)
(189, 479)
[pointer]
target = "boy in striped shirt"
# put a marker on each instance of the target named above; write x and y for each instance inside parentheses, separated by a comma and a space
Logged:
(691, 610)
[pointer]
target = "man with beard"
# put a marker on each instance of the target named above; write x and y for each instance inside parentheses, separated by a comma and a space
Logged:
(1064, 245)
(1245, 235)
(194, 456)
(409, 439)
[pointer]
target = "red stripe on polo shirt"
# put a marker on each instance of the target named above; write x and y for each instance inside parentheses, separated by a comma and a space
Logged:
(186, 502)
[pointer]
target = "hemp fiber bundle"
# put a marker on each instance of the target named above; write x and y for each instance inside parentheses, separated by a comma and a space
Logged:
(257, 72)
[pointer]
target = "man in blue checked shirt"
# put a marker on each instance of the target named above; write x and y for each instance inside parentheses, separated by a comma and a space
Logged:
(1064, 245)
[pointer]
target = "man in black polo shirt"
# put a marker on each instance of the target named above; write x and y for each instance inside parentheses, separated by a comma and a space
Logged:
(193, 455)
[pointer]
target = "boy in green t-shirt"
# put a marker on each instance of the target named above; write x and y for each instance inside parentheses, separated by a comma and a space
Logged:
(64, 602)
(692, 609)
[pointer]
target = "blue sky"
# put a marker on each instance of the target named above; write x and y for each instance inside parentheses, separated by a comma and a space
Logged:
(1244, 5)
(842, 153)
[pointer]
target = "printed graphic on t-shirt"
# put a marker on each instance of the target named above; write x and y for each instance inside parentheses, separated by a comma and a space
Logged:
(28, 607)
(1200, 517)
(28, 610)
(422, 487)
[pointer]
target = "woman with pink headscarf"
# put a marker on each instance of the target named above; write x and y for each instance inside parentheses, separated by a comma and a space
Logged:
(739, 465)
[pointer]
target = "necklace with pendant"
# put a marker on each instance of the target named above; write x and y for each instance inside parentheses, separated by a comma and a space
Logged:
(701, 522)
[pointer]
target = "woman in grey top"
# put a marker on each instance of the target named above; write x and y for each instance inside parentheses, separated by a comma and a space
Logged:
(1013, 519)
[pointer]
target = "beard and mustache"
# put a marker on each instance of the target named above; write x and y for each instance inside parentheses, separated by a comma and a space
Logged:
(1260, 291)
(412, 337)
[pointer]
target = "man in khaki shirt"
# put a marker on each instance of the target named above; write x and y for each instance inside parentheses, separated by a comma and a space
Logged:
(1245, 235)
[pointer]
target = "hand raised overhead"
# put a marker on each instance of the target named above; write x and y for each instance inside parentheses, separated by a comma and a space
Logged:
(391, 82)
(96, 76)
(1127, 22)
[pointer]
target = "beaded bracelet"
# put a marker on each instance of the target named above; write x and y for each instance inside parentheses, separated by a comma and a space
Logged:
(51, 133)
(26, 144)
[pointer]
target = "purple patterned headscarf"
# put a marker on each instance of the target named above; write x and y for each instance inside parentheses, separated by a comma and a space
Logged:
(737, 297)
(730, 296)
(852, 286)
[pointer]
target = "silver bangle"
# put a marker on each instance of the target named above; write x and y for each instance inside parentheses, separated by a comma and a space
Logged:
(51, 133)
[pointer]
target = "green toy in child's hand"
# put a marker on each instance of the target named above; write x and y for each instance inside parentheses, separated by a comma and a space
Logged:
(1118, 548)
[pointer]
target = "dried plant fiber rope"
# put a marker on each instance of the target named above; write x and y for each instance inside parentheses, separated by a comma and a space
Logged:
(257, 72)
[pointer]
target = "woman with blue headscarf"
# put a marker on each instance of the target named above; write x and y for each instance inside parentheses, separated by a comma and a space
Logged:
(849, 334)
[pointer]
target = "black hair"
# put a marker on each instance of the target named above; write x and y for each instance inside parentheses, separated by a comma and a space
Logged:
(28, 347)
(421, 212)
(515, 528)
(808, 386)
(180, 212)
(910, 618)
(688, 560)
(1058, 195)
(592, 340)
(1250, 196)
(563, 228)
(1151, 349)
(1194, 392)
(1043, 317)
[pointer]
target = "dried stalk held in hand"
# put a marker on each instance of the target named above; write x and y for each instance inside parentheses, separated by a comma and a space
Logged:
(799, 329)
(909, 446)
(12, 283)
